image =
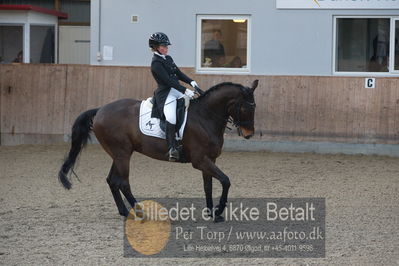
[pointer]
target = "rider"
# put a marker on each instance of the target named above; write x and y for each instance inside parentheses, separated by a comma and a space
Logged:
(167, 76)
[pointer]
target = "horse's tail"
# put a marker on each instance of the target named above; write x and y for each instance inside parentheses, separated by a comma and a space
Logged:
(80, 135)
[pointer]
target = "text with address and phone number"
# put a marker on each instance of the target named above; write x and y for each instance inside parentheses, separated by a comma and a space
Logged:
(254, 227)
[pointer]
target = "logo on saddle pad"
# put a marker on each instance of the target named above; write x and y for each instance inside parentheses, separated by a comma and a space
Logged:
(149, 124)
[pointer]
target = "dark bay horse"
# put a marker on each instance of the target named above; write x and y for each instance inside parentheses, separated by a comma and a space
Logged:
(116, 126)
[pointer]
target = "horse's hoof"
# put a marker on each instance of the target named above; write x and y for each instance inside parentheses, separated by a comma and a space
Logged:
(173, 159)
(218, 219)
(138, 211)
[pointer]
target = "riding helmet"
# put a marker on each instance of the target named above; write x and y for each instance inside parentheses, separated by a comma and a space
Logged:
(157, 39)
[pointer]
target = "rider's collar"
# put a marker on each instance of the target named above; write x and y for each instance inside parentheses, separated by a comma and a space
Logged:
(161, 55)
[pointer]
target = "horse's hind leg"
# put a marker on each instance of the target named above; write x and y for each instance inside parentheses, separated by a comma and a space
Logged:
(122, 168)
(113, 182)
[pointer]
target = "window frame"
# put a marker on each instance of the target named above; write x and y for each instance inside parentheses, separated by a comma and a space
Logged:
(392, 46)
(221, 70)
(389, 73)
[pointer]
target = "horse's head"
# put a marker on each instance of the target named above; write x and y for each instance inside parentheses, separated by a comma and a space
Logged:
(243, 111)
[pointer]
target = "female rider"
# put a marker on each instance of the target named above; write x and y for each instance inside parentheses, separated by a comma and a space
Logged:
(167, 76)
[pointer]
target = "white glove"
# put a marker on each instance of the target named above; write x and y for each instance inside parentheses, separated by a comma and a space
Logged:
(194, 84)
(189, 93)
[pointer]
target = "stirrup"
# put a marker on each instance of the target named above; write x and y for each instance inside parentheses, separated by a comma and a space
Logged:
(173, 155)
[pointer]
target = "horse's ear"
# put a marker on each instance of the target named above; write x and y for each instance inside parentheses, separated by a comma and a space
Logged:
(255, 84)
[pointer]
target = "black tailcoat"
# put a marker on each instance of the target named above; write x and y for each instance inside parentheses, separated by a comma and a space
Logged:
(167, 76)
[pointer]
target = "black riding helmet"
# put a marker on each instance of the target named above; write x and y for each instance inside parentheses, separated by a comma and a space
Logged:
(157, 39)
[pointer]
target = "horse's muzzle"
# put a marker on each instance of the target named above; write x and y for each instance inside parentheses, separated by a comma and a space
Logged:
(247, 134)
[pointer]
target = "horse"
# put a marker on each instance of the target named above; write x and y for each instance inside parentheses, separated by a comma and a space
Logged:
(116, 127)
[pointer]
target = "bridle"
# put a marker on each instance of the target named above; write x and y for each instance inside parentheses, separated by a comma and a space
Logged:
(237, 122)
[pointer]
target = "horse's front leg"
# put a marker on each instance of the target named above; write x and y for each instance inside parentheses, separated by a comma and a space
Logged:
(208, 192)
(209, 168)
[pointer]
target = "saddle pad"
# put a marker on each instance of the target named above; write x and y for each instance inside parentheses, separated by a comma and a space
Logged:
(150, 126)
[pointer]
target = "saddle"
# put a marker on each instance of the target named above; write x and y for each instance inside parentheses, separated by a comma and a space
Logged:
(155, 127)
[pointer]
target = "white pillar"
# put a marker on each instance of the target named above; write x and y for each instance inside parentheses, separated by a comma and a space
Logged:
(26, 40)
(56, 43)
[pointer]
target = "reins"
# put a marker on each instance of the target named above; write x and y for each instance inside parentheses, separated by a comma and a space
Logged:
(236, 122)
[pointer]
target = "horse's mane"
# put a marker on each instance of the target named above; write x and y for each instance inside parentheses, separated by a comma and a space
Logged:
(217, 87)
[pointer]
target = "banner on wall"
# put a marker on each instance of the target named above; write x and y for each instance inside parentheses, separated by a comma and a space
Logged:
(337, 4)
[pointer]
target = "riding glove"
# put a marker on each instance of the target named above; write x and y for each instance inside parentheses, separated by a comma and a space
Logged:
(194, 84)
(189, 93)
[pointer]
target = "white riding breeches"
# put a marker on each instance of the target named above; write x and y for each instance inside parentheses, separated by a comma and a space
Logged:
(169, 109)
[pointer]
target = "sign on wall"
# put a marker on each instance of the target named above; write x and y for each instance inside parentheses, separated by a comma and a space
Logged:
(337, 4)
(369, 83)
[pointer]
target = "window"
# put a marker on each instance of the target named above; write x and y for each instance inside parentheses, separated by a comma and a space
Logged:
(223, 43)
(11, 44)
(42, 47)
(363, 45)
(395, 44)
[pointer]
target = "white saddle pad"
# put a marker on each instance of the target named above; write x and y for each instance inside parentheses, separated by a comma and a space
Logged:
(150, 126)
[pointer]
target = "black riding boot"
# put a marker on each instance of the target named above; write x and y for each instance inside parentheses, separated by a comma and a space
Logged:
(171, 140)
